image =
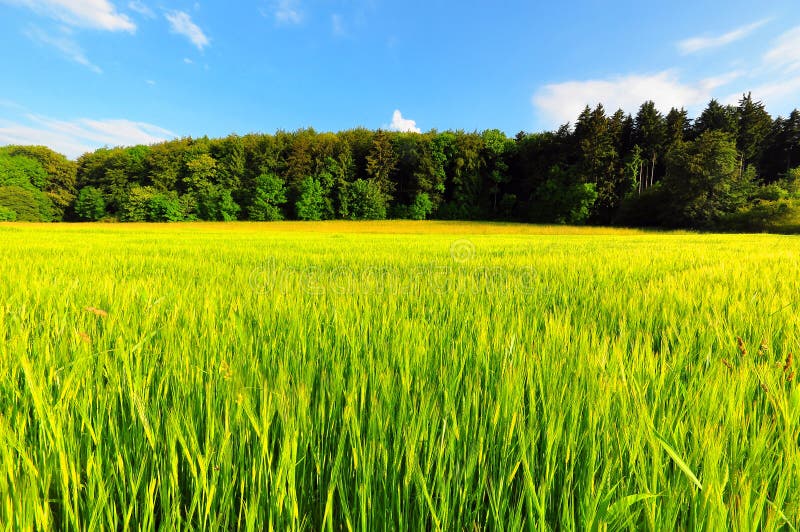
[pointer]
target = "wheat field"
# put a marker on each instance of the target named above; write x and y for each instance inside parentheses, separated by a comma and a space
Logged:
(397, 376)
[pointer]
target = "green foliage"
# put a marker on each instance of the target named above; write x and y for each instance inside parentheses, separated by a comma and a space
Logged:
(29, 205)
(365, 200)
(216, 204)
(650, 208)
(717, 117)
(60, 185)
(136, 204)
(705, 180)
(7, 215)
(463, 175)
(90, 204)
(270, 194)
(562, 199)
(21, 171)
(164, 207)
(311, 203)
(421, 208)
(754, 126)
(381, 162)
(774, 215)
(201, 172)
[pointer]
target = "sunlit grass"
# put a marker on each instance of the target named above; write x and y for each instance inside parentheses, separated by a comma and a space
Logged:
(397, 375)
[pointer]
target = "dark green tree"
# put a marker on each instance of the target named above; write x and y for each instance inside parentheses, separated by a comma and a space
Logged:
(705, 180)
(90, 204)
(650, 133)
(754, 127)
(717, 117)
(381, 162)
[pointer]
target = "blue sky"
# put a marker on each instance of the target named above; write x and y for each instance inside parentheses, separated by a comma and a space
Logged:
(86, 73)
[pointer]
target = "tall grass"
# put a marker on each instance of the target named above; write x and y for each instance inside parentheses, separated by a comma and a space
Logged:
(340, 376)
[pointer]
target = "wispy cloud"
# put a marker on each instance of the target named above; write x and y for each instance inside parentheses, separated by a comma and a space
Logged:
(785, 52)
(560, 103)
(94, 14)
(73, 138)
(181, 23)
(288, 11)
(141, 8)
(403, 124)
(64, 43)
(696, 44)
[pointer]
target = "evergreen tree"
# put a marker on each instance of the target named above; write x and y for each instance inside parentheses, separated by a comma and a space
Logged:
(650, 133)
(717, 117)
(754, 126)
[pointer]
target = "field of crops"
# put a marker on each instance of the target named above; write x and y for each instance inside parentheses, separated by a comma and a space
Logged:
(397, 376)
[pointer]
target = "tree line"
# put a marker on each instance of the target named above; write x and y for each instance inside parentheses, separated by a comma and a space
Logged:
(734, 166)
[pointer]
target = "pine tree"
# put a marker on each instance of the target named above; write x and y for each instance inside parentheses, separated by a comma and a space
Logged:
(754, 126)
(650, 133)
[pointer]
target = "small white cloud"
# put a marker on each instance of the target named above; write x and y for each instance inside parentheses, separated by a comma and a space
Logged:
(288, 12)
(181, 23)
(696, 44)
(188, 61)
(65, 44)
(141, 8)
(150, 82)
(561, 102)
(403, 124)
(73, 138)
(94, 14)
(785, 52)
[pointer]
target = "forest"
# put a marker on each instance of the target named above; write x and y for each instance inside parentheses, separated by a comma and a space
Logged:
(734, 167)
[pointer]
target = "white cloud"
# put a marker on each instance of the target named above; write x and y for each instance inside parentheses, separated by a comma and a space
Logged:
(181, 23)
(150, 82)
(696, 44)
(64, 43)
(73, 138)
(781, 94)
(94, 14)
(785, 52)
(288, 12)
(560, 103)
(141, 8)
(403, 124)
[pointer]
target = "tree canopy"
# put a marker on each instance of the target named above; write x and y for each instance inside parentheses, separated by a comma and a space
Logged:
(646, 168)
